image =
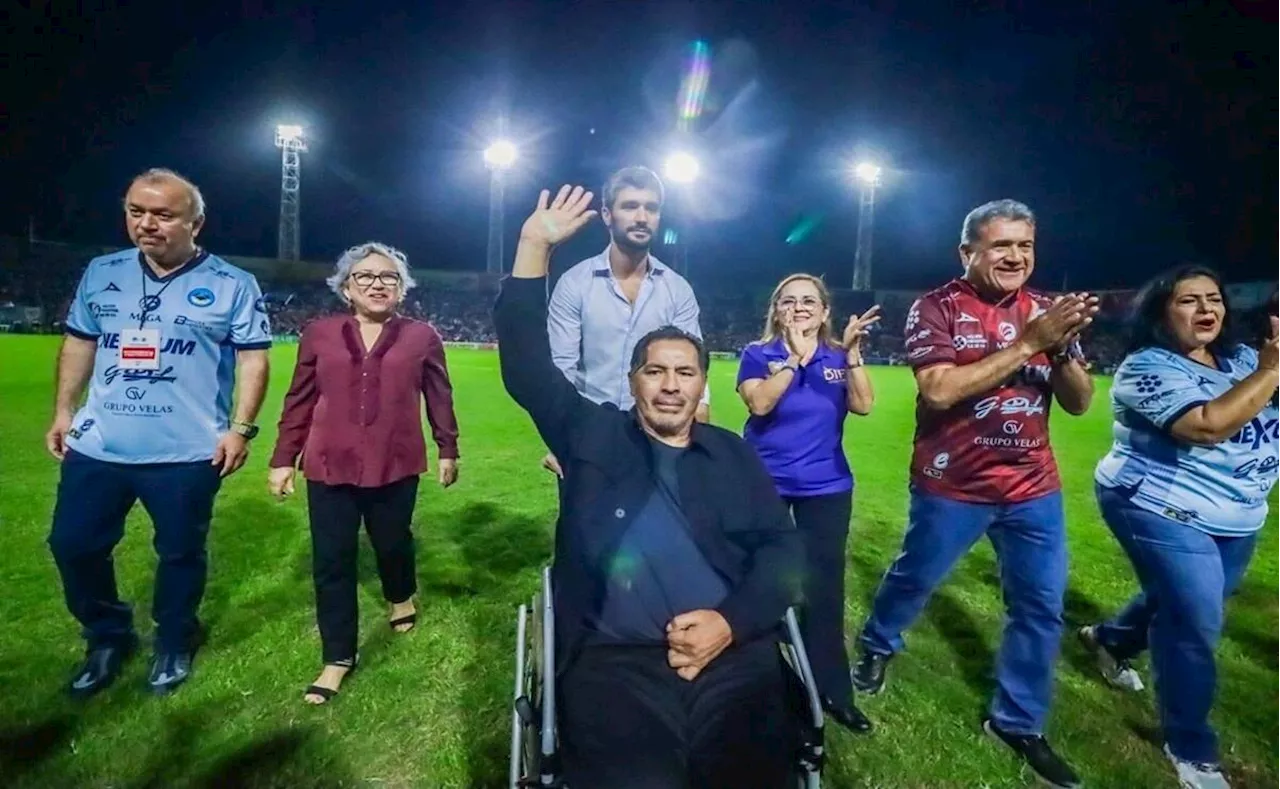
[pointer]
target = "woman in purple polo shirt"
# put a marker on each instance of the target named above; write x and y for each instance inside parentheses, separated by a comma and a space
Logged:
(798, 384)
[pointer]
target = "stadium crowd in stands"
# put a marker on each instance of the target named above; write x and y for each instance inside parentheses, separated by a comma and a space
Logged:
(44, 275)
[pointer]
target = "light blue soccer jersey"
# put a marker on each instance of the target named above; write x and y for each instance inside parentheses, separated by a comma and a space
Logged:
(1220, 489)
(175, 413)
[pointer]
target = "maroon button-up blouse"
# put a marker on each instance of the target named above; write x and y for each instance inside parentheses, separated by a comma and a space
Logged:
(356, 417)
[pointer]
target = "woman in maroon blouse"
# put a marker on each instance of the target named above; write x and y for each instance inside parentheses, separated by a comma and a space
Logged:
(353, 413)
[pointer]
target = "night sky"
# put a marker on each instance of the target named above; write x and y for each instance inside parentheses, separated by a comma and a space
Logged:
(1144, 134)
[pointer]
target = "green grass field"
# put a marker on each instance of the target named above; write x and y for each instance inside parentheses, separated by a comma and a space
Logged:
(430, 709)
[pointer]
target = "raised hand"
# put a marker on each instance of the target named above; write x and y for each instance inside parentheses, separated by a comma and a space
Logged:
(1269, 353)
(858, 327)
(552, 223)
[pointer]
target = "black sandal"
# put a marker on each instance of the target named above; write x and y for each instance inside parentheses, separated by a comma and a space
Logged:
(408, 619)
(328, 693)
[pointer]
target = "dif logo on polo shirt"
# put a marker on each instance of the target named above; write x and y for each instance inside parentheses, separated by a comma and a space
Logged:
(833, 374)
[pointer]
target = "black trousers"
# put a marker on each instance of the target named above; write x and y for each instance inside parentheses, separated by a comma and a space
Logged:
(336, 512)
(94, 497)
(628, 721)
(823, 523)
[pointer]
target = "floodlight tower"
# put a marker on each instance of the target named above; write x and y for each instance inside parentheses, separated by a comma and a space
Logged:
(681, 168)
(867, 175)
(292, 143)
(499, 158)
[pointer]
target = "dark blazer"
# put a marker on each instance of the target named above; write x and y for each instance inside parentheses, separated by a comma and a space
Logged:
(735, 514)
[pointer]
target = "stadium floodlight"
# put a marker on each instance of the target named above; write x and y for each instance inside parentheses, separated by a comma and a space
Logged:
(501, 155)
(682, 168)
(867, 173)
(291, 139)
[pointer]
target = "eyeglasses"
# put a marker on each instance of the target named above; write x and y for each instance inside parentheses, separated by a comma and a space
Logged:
(365, 278)
(808, 301)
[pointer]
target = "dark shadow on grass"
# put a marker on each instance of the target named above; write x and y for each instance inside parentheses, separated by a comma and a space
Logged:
(1259, 645)
(961, 632)
(24, 748)
(1079, 610)
(503, 553)
(273, 760)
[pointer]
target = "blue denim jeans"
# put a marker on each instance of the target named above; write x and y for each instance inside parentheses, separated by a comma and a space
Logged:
(1030, 543)
(1186, 576)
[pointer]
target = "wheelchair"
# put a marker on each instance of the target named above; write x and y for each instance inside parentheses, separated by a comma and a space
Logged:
(535, 758)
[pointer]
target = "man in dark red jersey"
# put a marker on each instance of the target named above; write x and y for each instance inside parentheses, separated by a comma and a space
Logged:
(989, 357)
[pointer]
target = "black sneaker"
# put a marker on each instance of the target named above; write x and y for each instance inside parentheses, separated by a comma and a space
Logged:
(101, 667)
(168, 671)
(868, 675)
(1035, 751)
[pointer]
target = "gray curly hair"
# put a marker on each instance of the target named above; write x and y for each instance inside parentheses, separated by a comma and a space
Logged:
(361, 251)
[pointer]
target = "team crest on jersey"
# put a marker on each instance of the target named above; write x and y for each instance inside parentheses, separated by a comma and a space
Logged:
(200, 297)
(1007, 331)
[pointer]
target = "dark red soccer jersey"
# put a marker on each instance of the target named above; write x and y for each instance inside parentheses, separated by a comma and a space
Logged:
(991, 448)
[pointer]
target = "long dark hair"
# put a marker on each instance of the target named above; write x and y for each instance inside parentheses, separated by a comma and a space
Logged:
(1147, 315)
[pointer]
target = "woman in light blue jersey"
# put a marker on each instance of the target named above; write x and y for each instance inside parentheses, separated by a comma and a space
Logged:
(1184, 489)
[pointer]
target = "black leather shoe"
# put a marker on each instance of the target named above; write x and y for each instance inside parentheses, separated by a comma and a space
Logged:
(869, 672)
(848, 716)
(101, 667)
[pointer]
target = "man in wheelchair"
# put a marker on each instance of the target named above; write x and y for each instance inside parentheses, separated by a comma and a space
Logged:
(674, 559)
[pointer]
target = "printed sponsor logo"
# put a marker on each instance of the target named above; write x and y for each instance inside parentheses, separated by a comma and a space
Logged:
(941, 460)
(913, 318)
(1204, 382)
(1147, 384)
(264, 327)
(111, 288)
(144, 317)
(183, 320)
(113, 372)
(831, 375)
(1258, 432)
(932, 473)
(223, 274)
(260, 304)
(1012, 427)
(1267, 466)
(136, 409)
(172, 345)
(135, 393)
(149, 303)
(1007, 442)
(1155, 399)
(923, 350)
(113, 262)
(1007, 331)
(918, 336)
(103, 310)
(1012, 406)
(969, 341)
(1034, 373)
(965, 317)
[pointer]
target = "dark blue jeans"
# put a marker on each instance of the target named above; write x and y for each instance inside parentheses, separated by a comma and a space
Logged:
(1030, 543)
(88, 521)
(1186, 576)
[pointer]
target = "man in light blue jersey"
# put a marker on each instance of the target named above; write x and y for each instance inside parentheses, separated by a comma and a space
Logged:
(1184, 489)
(602, 306)
(159, 334)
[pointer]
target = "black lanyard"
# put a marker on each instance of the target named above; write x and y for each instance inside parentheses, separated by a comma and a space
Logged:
(151, 303)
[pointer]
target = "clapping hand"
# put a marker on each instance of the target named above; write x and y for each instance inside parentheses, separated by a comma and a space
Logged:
(552, 223)
(802, 345)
